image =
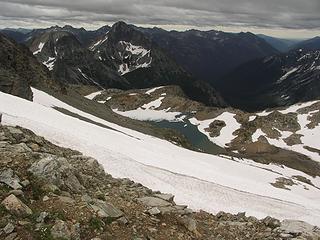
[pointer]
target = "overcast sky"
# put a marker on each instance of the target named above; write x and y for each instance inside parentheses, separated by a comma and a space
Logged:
(284, 18)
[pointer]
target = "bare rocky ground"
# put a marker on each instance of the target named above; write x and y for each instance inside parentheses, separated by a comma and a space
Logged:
(49, 192)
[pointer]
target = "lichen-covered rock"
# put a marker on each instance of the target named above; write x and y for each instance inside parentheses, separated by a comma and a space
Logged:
(58, 171)
(60, 230)
(105, 210)
(16, 206)
(299, 228)
(8, 177)
(153, 202)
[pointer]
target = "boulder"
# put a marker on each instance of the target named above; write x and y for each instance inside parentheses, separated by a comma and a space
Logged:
(16, 206)
(190, 224)
(57, 171)
(105, 210)
(9, 228)
(300, 228)
(42, 217)
(60, 230)
(166, 197)
(271, 222)
(153, 202)
(154, 211)
(8, 177)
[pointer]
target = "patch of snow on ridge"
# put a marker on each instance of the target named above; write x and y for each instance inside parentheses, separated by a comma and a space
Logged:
(252, 118)
(50, 63)
(136, 50)
(264, 113)
(226, 133)
(257, 134)
(40, 47)
(149, 112)
(124, 69)
(294, 108)
(99, 42)
(138, 61)
(89, 79)
(199, 180)
(154, 104)
(91, 96)
(152, 90)
(92, 48)
(285, 76)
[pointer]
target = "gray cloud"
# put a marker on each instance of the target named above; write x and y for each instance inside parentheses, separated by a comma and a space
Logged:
(290, 14)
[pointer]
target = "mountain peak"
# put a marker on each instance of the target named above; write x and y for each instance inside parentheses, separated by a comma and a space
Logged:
(118, 26)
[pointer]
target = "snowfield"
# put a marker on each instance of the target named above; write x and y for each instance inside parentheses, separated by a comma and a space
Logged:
(226, 133)
(149, 112)
(202, 181)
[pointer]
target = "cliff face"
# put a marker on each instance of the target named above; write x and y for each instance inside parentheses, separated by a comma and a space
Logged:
(49, 192)
(19, 69)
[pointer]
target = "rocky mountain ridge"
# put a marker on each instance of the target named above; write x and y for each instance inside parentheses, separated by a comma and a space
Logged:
(209, 55)
(122, 57)
(19, 69)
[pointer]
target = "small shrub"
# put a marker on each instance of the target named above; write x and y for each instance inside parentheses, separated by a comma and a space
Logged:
(96, 224)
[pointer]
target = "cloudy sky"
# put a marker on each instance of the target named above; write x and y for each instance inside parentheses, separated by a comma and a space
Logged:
(283, 18)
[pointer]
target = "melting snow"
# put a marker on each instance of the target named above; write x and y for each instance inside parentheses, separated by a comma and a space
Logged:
(89, 79)
(226, 133)
(296, 107)
(40, 47)
(284, 77)
(93, 95)
(149, 112)
(199, 180)
(98, 43)
(153, 90)
(138, 51)
(252, 118)
(50, 63)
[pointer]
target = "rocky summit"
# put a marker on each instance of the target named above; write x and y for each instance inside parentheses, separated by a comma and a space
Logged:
(50, 192)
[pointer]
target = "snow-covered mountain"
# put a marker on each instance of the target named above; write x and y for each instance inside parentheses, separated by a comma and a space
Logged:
(125, 47)
(71, 62)
(120, 57)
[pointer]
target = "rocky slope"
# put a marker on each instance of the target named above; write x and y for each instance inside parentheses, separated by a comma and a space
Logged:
(279, 80)
(48, 192)
(19, 69)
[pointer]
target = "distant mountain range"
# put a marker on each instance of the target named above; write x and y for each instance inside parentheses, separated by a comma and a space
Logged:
(210, 55)
(274, 81)
(214, 67)
(310, 44)
(282, 45)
